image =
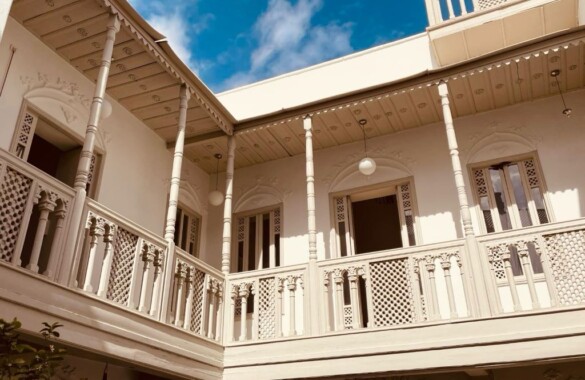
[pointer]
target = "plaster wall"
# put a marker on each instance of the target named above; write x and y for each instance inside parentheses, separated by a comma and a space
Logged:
(382, 64)
(136, 166)
(422, 154)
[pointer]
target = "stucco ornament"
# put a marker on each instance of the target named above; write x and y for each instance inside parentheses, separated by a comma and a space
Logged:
(42, 80)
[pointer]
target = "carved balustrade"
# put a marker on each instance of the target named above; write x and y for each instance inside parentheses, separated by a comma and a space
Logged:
(536, 268)
(394, 288)
(443, 10)
(33, 216)
(266, 304)
(197, 303)
(120, 261)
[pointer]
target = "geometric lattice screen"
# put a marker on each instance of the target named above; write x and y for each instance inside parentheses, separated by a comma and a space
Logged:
(566, 252)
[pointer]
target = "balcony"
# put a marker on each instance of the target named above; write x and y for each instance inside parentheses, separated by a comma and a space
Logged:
(123, 283)
(458, 33)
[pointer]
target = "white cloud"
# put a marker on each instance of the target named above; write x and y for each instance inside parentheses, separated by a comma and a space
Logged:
(172, 19)
(287, 41)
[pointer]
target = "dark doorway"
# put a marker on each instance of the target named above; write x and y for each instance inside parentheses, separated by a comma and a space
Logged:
(376, 224)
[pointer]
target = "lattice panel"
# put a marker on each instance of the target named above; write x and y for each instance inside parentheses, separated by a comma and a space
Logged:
(267, 309)
(486, 4)
(122, 266)
(197, 306)
(194, 234)
(277, 221)
(24, 134)
(531, 173)
(340, 209)
(347, 317)
(480, 182)
(406, 197)
(241, 229)
(15, 189)
(566, 253)
(392, 293)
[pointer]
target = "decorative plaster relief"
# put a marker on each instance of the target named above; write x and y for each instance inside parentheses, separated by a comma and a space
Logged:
(70, 88)
(266, 191)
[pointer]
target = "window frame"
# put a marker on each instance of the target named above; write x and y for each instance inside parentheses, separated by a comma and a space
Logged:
(97, 164)
(178, 235)
(510, 197)
(258, 242)
(382, 189)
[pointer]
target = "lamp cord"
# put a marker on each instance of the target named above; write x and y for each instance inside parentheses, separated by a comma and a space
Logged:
(560, 91)
(365, 146)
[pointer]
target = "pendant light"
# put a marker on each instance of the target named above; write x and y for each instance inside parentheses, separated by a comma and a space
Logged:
(216, 197)
(555, 74)
(366, 166)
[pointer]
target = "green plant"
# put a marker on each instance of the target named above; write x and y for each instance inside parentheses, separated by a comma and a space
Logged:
(21, 361)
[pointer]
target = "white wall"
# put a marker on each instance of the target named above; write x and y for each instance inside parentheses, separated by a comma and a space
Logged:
(136, 169)
(423, 154)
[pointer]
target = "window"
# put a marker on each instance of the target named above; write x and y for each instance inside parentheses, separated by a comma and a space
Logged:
(374, 220)
(42, 144)
(258, 239)
(510, 194)
(187, 231)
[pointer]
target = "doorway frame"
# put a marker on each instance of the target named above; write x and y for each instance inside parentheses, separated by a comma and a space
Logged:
(370, 192)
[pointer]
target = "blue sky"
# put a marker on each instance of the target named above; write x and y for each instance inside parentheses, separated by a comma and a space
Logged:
(230, 43)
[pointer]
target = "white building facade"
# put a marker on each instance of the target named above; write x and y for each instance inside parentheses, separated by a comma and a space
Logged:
(459, 257)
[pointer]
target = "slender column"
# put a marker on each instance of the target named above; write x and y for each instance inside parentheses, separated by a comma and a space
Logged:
(80, 184)
(481, 306)
(107, 261)
(244, 292)
(446, 266)
(431, 14)
(465, 291)
(416, 290)
(157, 263)
(147, 259)
(525, 258)
(227, 207)
(354, 297)
(430, 267)
(450, 8)
(463, 7)
(46, 206)
(59, 214)
(312, 228)
(232, 325)
(95, 231)
(189, 303)
(546, 267)
(184, 96)
(292, 288)
(220, 310)
(505, 254)
(180, 275)
(338, 278)
(4, 11)
(326, 284)
(214, 287)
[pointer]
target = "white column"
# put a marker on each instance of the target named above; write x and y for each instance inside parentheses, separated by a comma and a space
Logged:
(477, 278)
(107, 261)
(147, 259)
(180, 275)
(244, 292)
(227, 207)
(4, 11)
(213, 288)
(292, 288)
(157, 263)
(189, 302)
(60, 214)
(184, 97)
(83, 168)
(313, 283)
(95, 231)
(46, 205)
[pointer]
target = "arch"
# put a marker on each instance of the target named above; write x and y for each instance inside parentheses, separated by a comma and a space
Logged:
(62, 109)
(498, 145)
(257, 197)
(387, 169)
(189, 196)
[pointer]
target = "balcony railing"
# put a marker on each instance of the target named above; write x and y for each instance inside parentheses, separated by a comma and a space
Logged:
(439, 11)
(529, 270)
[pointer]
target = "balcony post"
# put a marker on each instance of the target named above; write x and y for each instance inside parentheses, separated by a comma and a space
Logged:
(227, 207)
(60, 214)
(313, 283)
(46, 206)
(5, 6)
(83, 168)
(184, 96)
(477, 280)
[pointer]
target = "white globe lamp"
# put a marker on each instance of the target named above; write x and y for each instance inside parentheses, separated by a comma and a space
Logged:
(106, 110)
(215, 197)
(367, 166)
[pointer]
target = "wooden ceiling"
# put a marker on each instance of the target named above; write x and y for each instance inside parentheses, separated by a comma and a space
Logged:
(75, 29)
(139, 78)
(483, 90)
